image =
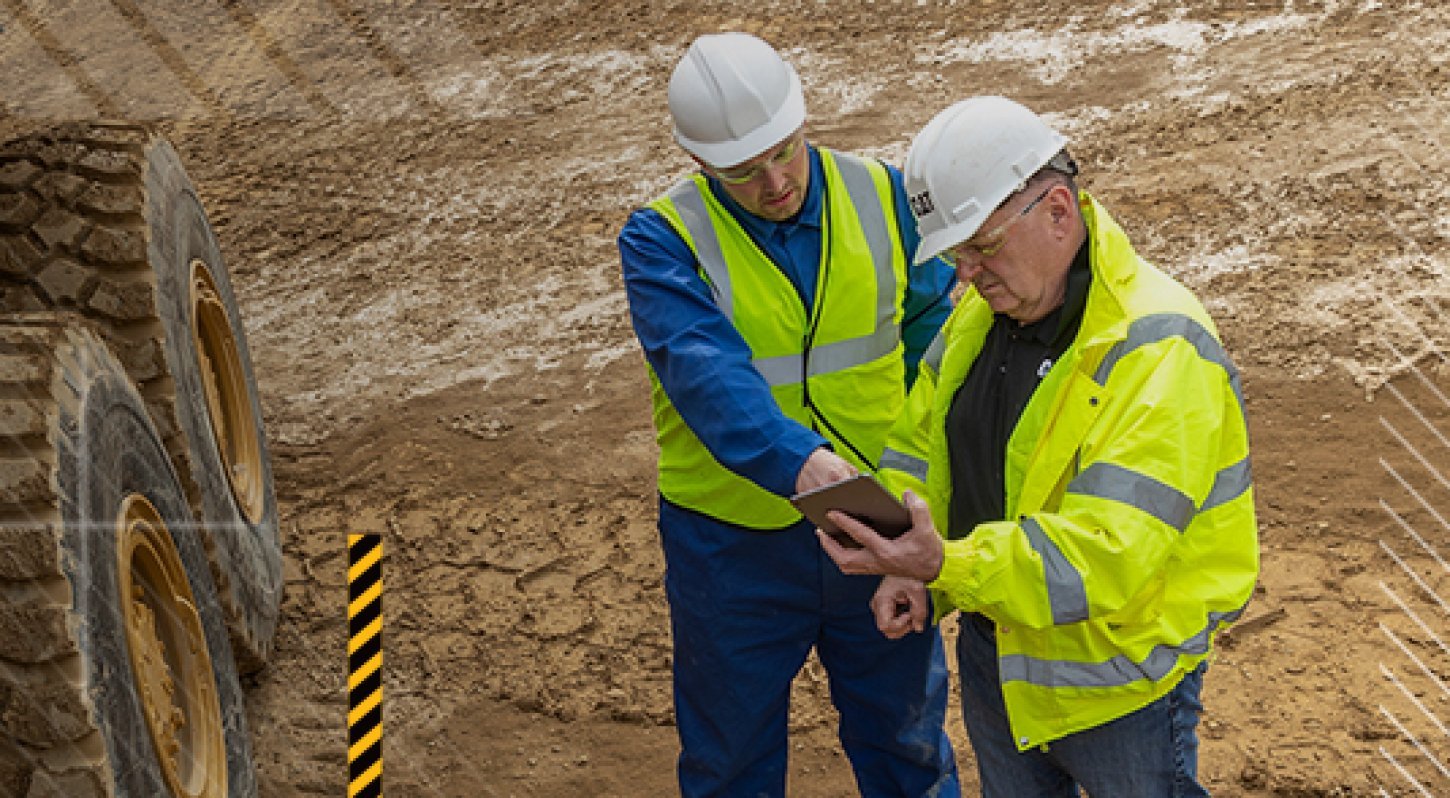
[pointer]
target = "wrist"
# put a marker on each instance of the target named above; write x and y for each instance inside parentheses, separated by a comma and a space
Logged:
(936, 563)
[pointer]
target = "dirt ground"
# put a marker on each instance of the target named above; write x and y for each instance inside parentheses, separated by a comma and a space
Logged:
(418, 201)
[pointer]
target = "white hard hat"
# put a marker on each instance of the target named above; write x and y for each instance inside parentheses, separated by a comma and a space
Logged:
(966, 161)
(733, 97)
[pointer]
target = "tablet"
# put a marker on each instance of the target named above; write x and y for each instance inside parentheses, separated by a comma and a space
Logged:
(860, 497)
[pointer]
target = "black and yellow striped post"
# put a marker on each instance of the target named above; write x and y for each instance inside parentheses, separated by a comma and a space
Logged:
(364, 666)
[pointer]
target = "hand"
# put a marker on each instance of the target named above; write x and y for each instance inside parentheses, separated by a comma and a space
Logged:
(823, 467)
(917, 554)
(900, 605)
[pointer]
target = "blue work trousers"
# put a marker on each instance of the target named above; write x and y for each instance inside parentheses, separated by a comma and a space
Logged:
(1150, 753)
(745, 609)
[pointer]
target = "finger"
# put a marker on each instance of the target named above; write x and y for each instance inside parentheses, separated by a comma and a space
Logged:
(919, 612)
(859, 532)
(890, 619)
(919, 509)
(833, 549)
(883, 607)
(896, 629)
(844, 558)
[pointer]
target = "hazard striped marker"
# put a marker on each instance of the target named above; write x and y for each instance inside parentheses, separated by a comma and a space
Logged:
(364, 666)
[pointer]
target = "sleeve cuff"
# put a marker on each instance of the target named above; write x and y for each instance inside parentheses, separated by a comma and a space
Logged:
(953, 583)
(795, 449)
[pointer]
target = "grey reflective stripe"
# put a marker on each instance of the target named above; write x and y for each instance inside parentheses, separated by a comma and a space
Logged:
(1160, 327)
(830, 358)
(862, 190)
(690, 205)
(901, 461)
(1116, 483)
(934, 352)
(1065, 591)
(1231, 483)
(1116, 672)
(827, 358)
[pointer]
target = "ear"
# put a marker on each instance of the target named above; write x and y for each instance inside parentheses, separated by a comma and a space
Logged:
(1060, 202)
(1062, 205)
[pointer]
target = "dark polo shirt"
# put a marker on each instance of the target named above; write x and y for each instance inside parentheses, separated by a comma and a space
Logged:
(1014, 359)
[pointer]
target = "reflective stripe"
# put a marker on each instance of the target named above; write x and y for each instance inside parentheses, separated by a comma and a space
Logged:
(1231, 483)
(1116, 483)
(690, 205)
(862, 191)
(1065, 591)
(1116, 672)
(901, 461)
(1162, 326)
(830, 358)
(934, 352)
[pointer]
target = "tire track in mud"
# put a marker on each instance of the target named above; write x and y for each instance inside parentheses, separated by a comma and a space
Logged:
(247, 20)
(174, 61)
(62, 57)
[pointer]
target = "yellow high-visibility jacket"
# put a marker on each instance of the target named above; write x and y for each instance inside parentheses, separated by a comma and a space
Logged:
(1130, 538)
(836, 367)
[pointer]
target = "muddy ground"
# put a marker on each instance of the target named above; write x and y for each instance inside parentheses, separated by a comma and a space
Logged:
(418, 199)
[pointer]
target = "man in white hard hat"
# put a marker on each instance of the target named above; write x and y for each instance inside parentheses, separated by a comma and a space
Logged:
(781, 320)
(1078, 435)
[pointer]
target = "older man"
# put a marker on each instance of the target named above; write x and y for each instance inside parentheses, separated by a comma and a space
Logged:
(1079, 435)
(772, 297)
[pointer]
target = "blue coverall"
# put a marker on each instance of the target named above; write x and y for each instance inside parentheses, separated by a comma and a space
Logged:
(747, 606)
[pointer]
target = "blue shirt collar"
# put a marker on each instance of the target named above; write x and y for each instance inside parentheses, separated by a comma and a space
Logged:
(808, 216)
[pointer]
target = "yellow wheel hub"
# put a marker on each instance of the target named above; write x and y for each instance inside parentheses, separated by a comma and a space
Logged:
(169, 658)
(228, 401)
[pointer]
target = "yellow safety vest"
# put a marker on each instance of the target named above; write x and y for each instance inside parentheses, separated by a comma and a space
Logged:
(846, 349)
(1132, 538)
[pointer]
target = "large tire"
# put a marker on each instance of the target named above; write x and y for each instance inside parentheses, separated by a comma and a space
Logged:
(115, 674)
(101, 220)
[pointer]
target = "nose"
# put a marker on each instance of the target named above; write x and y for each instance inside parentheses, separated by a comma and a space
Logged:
(969, 267)
(773, 178)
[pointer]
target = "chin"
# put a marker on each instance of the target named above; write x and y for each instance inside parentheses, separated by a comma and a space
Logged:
(1004, 307)
(781, 214)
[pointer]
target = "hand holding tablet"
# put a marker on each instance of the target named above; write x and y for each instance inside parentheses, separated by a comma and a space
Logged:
(860, 497)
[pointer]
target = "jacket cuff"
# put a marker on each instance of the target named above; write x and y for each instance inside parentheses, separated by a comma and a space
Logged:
(952, 584)
(786, 459)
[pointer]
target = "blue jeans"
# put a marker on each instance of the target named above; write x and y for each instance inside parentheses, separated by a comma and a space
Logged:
(746, 608)
(1150, 753)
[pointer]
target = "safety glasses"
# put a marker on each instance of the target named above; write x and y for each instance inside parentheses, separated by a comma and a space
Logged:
(968, 253)
(742, 175)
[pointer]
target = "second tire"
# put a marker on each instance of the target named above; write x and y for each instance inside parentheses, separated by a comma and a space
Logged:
(102, 221)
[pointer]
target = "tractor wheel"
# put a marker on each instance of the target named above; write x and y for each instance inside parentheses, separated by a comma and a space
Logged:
(116, 678)
(102, 221)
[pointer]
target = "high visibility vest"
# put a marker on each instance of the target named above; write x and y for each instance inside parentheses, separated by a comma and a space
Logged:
(835, 367)
(1130, 538)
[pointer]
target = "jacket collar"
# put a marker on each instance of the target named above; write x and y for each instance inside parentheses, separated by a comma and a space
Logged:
(1115, 266)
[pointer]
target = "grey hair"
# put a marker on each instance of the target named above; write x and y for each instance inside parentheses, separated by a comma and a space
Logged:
(1062, 162)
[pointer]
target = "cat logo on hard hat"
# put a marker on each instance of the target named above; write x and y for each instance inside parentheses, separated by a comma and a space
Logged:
(921, 204)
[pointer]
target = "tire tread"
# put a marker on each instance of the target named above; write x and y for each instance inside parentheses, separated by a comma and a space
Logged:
(73, 237)
(48, 730)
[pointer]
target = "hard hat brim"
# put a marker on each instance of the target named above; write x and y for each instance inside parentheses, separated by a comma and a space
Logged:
(939, 241)
(725, 154)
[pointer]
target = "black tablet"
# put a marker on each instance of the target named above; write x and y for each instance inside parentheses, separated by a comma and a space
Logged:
(862, 498)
